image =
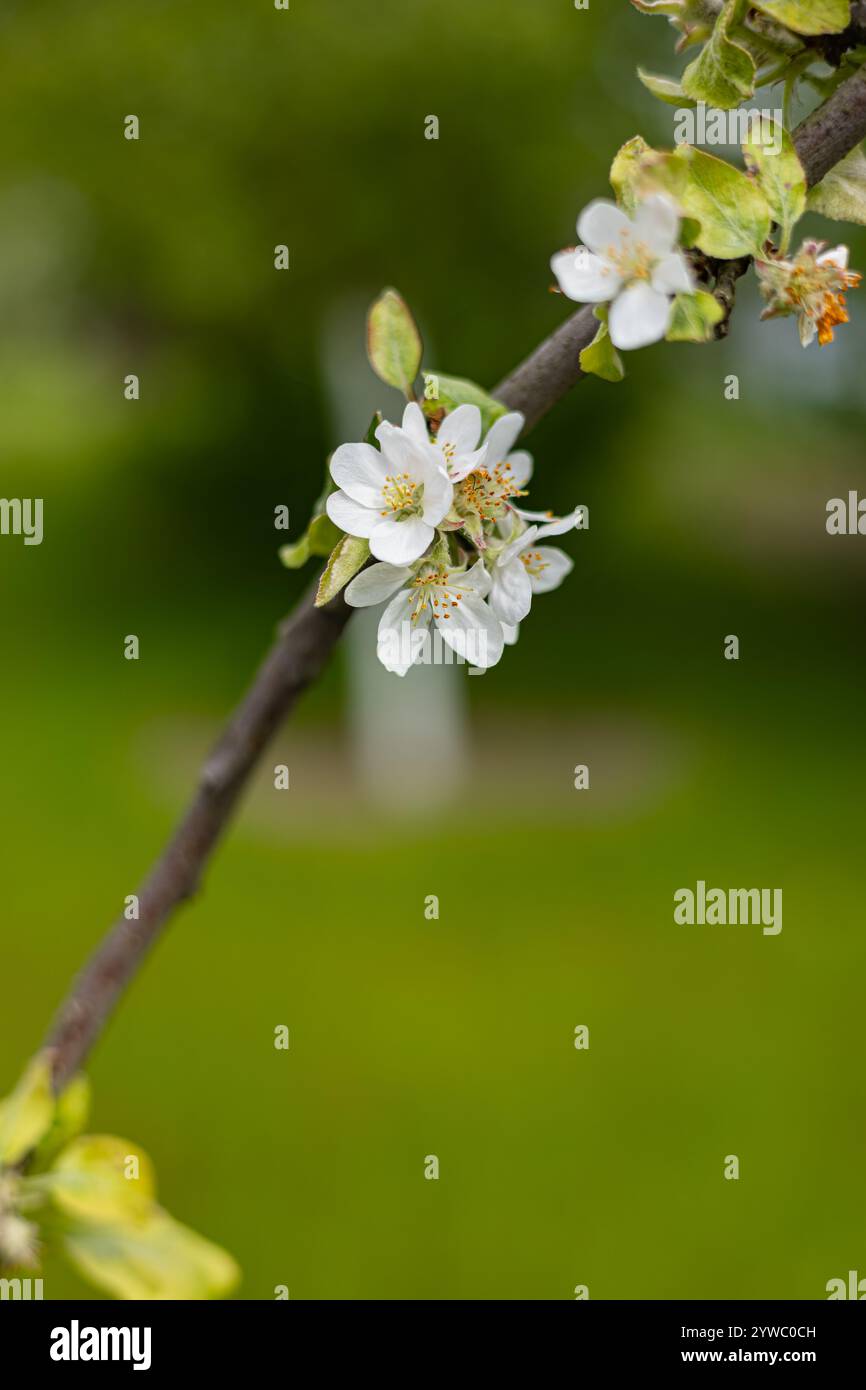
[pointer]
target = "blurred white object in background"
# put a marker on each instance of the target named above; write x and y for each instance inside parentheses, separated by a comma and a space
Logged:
(408, 734)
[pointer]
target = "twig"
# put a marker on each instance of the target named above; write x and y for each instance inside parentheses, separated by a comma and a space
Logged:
(305, 643)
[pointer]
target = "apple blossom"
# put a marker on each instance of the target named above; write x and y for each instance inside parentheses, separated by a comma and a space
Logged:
(394, 498)
(451, 598)
(634, 264)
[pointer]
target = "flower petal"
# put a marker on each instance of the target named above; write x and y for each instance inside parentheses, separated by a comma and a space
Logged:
(672, 275)
(503, 435)
(414, 424)
(519, 466)
(359, 470)
(461, 429)
(472, 631)
(510, 634)
(638, 317)
(350, 516)
(559, 525)
(376, 584)
(556, 566)
(838, 256)
(514, 547)
(400, 542)
(585, 277)
(400, 641)
(602, 224)
(438, 495)
(511, 592)
(657, 223)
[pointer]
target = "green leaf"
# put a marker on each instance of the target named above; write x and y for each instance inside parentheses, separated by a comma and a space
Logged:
(70, 1117)
(445, 393)
(94, 1179)
(393, 342)
(349, 554)
(841, 194)
(723, 72)
(628, 172)
(601, 357)
(667, 89)
(154, 1258)
(808, 16)
(780, 175)
(693, 318)
(27, 1112)
(732, 210)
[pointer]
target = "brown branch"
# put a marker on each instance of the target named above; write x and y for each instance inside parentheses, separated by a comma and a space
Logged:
(303, 647)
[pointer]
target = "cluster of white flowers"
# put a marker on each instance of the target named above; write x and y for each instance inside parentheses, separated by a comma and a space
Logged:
(454, 554)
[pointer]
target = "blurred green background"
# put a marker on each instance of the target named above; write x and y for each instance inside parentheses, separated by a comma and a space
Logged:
(412, 1037)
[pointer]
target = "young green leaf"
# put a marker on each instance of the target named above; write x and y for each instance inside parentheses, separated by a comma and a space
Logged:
(445, 393)
(101, 1178)
(733, 212)
(723, 72)
(70, 1117)
(155, 1258)
(27, 1112)
(349, 554)
(601, 357)
(393, 342)
(779, 173)
(808, 16)
(626, 172)
(667, 89)
(841, 194)
(694, 317)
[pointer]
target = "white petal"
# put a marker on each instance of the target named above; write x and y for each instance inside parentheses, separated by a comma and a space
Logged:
(472, 631)
(514, 547)
(672, 275)
(585, 277)
(503, 435)
(414, 423)
(838, 256)
(638, 316)
(462, 429)
(403, 454)
(602, 224)
(657, 223)
(559, 525)
(360, 471)
(400, 641)
(468, 463)
(477, 579)
(350, 516)
(400, 542)
(375, 584)
(438, 495)
(511, 593)
(556, 566)
(520, 467)
(510, 634)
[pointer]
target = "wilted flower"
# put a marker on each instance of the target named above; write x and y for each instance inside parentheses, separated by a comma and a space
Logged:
(633, 264)
(812, 285)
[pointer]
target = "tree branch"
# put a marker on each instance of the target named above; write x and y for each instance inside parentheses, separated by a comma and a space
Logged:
(305, 643)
